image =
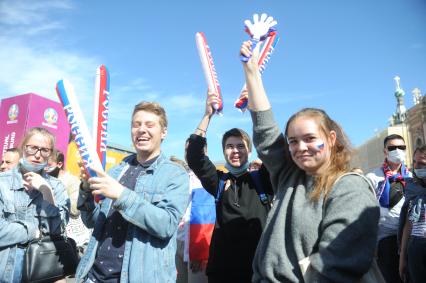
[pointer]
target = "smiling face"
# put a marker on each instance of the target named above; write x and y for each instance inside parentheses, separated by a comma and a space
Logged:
(37, 149)
(236, 151)
(147, 134)
(309, 147)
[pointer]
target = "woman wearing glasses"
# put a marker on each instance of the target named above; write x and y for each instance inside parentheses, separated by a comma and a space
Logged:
(28, 196)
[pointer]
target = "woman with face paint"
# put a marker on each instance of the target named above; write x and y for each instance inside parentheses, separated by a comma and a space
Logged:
(413, 222)
(319, 217)
(29, 199)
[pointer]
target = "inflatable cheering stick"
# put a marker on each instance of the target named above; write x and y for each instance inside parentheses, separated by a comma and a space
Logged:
(100, 116)
(258, 30)
(100, 113)
(81, 134)
(265, 54)
(209, 69)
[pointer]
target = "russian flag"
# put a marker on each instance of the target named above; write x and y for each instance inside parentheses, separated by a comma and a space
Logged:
(202, 221)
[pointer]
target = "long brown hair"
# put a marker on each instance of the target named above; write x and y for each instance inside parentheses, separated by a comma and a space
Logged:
(341, 150)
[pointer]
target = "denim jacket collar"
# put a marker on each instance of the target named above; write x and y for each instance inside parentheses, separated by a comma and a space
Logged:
(152, 167)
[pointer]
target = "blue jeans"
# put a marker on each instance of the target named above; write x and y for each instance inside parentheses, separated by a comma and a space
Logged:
(19, 265)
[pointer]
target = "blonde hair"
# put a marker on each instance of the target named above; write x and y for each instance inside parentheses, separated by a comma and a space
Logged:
(38, 130)
(341, 151)
(152, 107)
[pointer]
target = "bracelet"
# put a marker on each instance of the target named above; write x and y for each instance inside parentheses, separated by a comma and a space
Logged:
(201, 130)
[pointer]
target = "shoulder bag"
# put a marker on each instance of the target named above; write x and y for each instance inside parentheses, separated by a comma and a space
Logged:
(49, 258)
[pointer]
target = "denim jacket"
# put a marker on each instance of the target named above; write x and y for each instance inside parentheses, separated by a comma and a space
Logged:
(153, 210)
(20, 213)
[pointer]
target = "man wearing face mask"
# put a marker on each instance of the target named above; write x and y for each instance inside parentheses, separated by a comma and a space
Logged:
(389, 182)
(243, 200)
(75, 227)
(413, 222)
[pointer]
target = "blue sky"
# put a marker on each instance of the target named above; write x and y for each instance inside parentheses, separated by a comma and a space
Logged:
(337, 55)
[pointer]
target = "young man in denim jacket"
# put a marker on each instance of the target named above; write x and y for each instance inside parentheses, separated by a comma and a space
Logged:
(134, 236)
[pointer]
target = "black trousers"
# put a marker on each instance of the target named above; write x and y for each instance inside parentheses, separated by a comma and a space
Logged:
(388, 259)
(416, 252)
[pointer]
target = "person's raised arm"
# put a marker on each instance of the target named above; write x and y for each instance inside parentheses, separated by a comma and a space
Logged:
(196, 156)
(201, 129)
(257, 99)
(267, 137)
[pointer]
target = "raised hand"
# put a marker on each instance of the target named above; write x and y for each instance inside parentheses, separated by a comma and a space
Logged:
(212, 99)
(242, 101)
(246, 50)
(105, 185)
(258, 30)
(34, 181)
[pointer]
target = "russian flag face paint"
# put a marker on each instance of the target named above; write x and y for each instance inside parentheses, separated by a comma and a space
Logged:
(320, 145)
(315, 145)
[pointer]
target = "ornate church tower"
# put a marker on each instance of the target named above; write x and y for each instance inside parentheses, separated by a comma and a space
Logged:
(400, 115)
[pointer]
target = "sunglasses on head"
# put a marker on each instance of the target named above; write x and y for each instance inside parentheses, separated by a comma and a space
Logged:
(394, 147)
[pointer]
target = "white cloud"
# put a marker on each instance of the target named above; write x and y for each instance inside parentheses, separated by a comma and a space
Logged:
(33, 60)
(183, 105)
(123, 97)
(25, 69)
(29, 62)
(29, 17)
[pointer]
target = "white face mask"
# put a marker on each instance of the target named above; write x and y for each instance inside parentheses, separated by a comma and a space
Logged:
(396, 156)
(420, 173)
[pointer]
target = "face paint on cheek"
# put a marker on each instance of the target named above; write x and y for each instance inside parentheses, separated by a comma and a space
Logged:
(319, 145)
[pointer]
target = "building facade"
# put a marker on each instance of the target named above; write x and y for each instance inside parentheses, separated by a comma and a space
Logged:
(410, 124)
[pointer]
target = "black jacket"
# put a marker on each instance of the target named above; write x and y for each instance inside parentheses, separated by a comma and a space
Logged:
(240, 215)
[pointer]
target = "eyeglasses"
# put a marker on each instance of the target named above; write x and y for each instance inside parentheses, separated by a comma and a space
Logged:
(394, 147)
(32, 150)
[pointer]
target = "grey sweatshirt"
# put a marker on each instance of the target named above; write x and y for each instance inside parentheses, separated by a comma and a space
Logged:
(338, 234)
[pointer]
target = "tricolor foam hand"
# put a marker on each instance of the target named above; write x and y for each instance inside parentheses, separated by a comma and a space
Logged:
(265, 54)
(258, 30)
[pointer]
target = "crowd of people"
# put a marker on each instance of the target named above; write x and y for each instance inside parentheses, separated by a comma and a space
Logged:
(299, 213)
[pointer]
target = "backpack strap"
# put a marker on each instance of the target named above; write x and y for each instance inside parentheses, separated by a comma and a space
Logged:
(221, 187)
(255, 176)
